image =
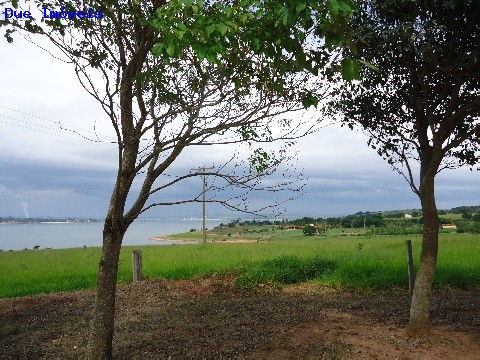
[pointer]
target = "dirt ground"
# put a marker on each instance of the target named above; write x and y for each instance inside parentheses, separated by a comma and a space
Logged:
(209, 318)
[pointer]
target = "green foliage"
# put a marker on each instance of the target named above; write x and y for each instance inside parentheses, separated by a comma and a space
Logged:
(391, 102)
(309, 100)
(303, 221)
(337, 7)
(462, 209)
(472, 227)
(309, 230)
(261, 160)
(278, 30)
(350, 69)
(395, 229)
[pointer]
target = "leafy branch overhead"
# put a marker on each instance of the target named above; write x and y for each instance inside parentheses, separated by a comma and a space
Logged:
(421, 89)
(288, 34)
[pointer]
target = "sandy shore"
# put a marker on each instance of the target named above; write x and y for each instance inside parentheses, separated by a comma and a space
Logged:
(166, 238)
(190, 241)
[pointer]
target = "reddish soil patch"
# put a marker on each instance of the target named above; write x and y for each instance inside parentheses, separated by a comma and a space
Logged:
(210, 318)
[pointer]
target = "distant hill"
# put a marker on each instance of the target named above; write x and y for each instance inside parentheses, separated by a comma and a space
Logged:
(462, 209)
(418, 212)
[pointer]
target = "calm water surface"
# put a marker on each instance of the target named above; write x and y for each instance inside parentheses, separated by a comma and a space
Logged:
(71, 235)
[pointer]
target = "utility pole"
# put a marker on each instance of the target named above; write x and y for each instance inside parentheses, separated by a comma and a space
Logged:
(204, 230)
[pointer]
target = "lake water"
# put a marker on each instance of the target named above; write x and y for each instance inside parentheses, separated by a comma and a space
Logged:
(71, 235)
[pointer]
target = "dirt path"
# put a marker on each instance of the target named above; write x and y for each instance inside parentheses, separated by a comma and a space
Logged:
(210, 318)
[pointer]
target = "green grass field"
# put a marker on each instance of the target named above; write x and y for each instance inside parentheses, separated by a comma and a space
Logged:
(377, 262)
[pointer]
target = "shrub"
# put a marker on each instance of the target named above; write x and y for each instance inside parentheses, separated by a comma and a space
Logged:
(309, 230)
(284, 270)
(464, 226)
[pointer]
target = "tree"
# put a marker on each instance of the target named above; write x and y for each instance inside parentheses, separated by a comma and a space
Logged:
(375, 220)
(309, 230)
(419, 102)
(171, 75)
(467, 214)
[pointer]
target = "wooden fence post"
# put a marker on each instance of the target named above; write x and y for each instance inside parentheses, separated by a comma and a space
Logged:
(137, 265)
(411, 275)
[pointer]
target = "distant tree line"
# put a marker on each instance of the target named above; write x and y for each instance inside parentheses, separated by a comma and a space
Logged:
(465, 209)
(392, 222)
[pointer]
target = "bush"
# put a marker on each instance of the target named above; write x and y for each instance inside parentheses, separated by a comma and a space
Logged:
(464, 226)
(284, 270)
(394, 229)
(309, 230)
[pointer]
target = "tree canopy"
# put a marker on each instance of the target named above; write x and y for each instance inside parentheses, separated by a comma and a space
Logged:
(418, 100)
(422, 89)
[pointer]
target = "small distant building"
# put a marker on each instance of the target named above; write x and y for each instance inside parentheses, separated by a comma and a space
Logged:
(291, 227)
(408, 216)
(298, 227)
(449, 226)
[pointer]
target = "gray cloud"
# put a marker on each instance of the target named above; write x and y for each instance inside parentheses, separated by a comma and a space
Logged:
(49, 170)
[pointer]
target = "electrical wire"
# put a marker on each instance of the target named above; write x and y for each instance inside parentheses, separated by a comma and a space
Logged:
(63, 127)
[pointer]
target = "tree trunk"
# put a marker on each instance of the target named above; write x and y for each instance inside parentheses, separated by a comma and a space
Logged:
(420, 305)
(102, 324)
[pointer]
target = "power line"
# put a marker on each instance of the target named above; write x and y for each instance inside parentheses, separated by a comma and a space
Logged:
(64, 127)
(78, 131)
(51, 132)
(38, 130)
(28, 122)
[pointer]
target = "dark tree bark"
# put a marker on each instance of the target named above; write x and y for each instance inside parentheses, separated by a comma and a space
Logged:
(420, 304)
(102, 323)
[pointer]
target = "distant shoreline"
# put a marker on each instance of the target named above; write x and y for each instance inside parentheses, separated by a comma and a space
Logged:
(168, 238)
(49, 222)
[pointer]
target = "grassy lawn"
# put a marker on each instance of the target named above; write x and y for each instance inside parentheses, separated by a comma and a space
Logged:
(377, 262)
(451, 216)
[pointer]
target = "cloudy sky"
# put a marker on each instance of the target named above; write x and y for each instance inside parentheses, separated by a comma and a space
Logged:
(47, 169)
